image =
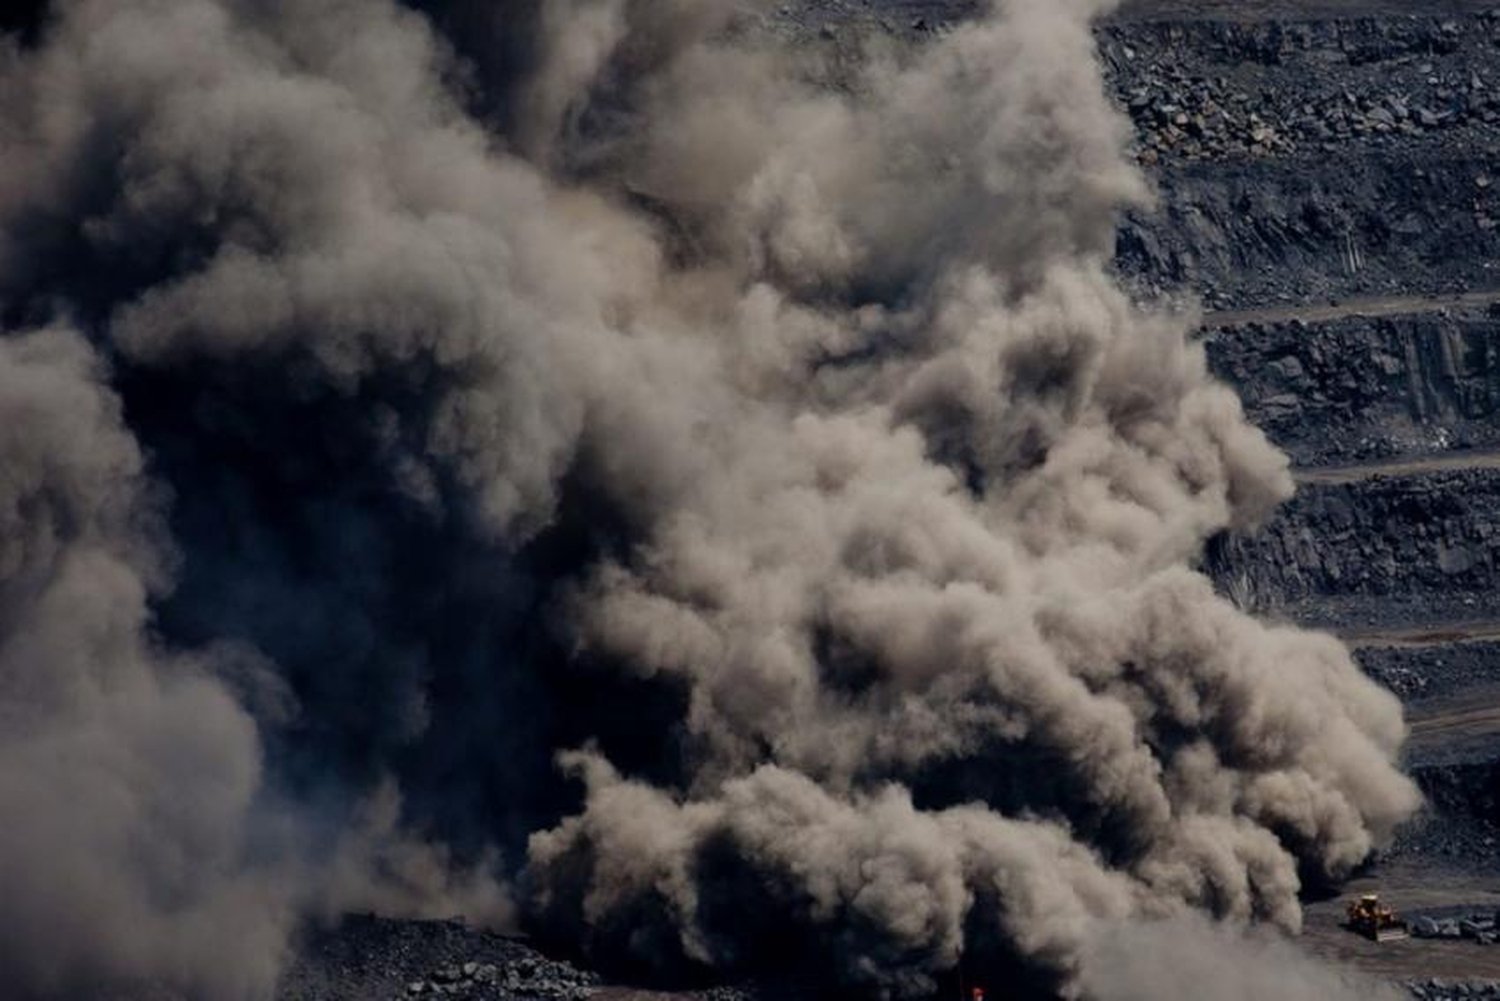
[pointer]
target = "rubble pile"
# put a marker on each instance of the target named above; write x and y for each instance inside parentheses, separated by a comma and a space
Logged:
(1431, 672)
(1438, 989)
(1310, 160)
(1212, 89)
(529, 977)
(373, 957)
(1475, 926)
(364, 956)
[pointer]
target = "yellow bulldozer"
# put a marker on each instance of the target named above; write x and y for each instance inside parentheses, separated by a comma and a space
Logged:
(1376, 922)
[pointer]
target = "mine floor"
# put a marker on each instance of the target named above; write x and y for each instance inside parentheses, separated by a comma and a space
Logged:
(1409, 887)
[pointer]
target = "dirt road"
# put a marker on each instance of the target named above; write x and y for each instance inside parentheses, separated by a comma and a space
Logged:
(1480, 720)
(1414, 465)
(1474, 713)
(1397, 305)
(1428, 634)
(1408, 887)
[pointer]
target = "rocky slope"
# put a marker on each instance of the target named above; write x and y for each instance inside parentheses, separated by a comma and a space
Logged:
(1414, 549)
(1359, 388)
(1217, 89)
(1256, 232)
(1307, 159)
(1323, 176)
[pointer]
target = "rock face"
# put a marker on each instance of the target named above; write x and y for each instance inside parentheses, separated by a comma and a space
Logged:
(1342, 158)
(1360, 388)
(1253, 233)
(1419, 547)
(1303, 159)
(1311, 160)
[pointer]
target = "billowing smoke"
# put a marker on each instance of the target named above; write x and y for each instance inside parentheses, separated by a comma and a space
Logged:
(623, 467)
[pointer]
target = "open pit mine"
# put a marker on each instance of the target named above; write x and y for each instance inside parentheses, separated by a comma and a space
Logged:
(736, 500)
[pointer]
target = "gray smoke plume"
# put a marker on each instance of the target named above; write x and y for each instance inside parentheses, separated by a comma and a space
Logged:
(753, 428)
(126, 775)
(132, 848)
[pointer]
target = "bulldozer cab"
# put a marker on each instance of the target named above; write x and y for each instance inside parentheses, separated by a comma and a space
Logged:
(1375, 921)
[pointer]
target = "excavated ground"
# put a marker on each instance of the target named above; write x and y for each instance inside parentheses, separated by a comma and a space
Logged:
(1328, 184)
(1329, 176)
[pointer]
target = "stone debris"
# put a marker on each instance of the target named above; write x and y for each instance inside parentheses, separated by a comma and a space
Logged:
(529, 977)
(1476, 926)
(1199, 91)
(1439, 989)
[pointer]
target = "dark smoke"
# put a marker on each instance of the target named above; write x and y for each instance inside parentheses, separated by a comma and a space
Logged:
(23, 18)
(615, 467)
